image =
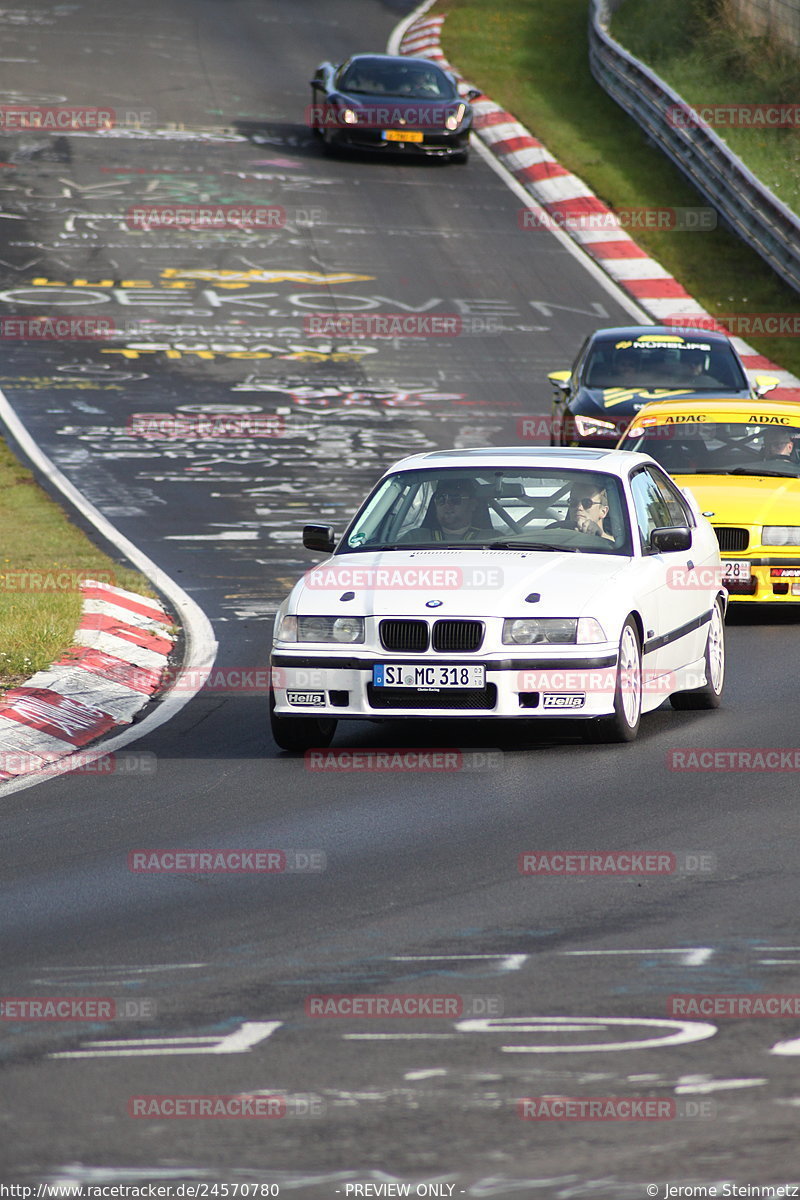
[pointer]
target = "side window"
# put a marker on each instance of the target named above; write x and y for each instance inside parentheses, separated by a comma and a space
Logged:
(679, 511)
(651, 508)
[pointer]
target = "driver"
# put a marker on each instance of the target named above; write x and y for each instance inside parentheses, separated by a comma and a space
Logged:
(586, 512)
(452, 514)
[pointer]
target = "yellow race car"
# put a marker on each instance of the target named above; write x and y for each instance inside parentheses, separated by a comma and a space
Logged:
(741, 461)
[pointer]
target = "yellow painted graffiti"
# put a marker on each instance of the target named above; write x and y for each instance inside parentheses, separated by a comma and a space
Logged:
(265, 276)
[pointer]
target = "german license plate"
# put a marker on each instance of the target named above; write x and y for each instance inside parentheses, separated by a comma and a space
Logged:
(402, 135)
(737, 570)
(428, 675)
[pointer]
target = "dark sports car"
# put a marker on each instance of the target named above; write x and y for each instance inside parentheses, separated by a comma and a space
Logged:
(619, 370)
(389, 104)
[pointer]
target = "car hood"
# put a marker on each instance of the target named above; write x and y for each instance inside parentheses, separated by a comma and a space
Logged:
(629, 400)
(468, 583)
(399, 104)
(745, 499)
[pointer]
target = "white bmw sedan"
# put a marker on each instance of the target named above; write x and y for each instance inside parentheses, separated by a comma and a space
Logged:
(505, 583)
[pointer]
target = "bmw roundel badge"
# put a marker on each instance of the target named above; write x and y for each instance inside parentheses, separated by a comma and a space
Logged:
(434, 603)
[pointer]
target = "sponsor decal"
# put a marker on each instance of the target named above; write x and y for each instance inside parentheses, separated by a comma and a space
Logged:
(563, 699)
(310, 699)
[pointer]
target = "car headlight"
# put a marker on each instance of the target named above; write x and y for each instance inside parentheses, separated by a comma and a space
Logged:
(455, 119)
(587, 426)
(536, 631)
(780, 535)
(330, 629)
(348, 116)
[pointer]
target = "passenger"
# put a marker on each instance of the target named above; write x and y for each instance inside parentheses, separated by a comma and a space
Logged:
(777, 443)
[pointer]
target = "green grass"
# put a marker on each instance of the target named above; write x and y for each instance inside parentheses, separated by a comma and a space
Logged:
(531, 57)
(37, 624)
(697, 48)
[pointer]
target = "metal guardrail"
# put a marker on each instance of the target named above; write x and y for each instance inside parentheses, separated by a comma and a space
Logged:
(739, 198)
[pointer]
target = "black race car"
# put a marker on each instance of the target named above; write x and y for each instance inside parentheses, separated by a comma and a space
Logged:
(619, 370)
(388, 104)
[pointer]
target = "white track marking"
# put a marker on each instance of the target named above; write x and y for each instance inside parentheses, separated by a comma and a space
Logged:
(691, 956)
(243, 1038)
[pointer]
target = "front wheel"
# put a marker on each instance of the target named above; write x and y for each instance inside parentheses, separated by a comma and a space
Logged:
(300, 733)
(623, 726)
(710, 694)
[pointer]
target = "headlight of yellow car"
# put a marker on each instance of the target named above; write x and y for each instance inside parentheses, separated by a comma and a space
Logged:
(780, 535)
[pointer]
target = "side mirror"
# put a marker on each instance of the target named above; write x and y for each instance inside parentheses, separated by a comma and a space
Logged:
(765, 383)
(561, 382)
(473, 94)
(671, 538)
(319, 537)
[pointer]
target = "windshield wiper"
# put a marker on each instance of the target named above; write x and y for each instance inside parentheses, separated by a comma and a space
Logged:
(520, 545)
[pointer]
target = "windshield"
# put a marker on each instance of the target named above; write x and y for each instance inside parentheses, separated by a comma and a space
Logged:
(722, 447)
(412, 80)
(663, 362)
(516, 508)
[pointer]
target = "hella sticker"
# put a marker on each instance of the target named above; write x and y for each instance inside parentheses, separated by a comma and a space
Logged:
(307, 699)
(563, 700)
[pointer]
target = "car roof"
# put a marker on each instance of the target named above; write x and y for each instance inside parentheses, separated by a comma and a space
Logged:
(614, 462)
(679, 331)
(392, 58)
(749, 412)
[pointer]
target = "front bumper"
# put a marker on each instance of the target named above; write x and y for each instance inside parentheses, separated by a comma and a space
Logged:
(773, 580)
(435, 143)
(340, 685)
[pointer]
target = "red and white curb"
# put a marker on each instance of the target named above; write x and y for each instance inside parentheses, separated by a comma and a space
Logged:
(122, 646)
(564, 197)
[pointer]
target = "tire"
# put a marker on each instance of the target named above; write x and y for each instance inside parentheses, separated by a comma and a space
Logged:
(710, 694)
(300, 733)
(623, 726)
